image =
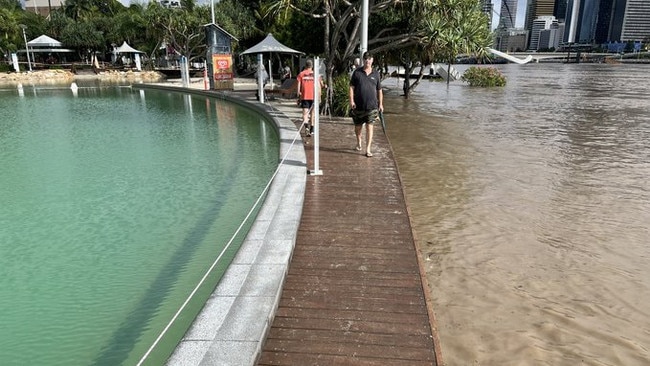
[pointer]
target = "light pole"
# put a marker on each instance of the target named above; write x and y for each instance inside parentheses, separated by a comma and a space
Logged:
(212, 10)
(29, 62)
(363, 42)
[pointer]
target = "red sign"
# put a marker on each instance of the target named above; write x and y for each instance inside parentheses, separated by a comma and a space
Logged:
(222, 64)
(223, 76)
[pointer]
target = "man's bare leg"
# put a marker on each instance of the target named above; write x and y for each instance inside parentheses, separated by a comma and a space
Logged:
(369, 132)
(357, 131)
(305, 121)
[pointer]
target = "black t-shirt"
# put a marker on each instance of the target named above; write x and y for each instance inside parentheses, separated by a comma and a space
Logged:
(365, 89)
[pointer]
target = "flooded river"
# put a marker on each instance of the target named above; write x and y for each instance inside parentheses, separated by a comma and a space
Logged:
(531, 205)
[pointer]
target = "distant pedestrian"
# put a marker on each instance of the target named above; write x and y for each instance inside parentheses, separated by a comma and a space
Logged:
(366, 101)
(265, 76)
(286, 73)
(306, 95)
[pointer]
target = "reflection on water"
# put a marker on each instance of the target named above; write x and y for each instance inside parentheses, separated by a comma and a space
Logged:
(531, 204)
(113, 205)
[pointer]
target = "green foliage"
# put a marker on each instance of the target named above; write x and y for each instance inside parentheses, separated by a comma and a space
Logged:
(456, 27)
(82, 35)
(302, 33)
(483, 77)
(6, 67)
(10, 5)
(183, 29)
(235, 18)
(95, 25)
(341, 95)
(11, 33)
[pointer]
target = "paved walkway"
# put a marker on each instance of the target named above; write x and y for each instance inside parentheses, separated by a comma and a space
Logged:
(338, 284)
(354, 293)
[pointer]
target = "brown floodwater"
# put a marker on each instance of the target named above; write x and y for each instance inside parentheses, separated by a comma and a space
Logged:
(531, 205)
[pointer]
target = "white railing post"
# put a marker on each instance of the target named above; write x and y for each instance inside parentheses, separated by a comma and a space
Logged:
(316, 111)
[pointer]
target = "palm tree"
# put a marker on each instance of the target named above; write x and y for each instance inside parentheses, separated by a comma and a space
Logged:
(457, 27)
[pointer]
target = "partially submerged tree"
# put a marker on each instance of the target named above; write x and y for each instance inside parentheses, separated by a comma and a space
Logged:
(407, 33)
(457, 27)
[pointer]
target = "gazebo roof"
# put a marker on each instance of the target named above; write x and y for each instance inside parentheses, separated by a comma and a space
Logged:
(44, 41)
(125, 48)
(270, 44)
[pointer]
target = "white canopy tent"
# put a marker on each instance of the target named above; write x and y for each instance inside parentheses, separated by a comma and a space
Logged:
(125, 48)
(269, 45)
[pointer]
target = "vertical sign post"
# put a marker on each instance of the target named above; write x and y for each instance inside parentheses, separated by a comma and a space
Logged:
(316, 112)
(260, 78)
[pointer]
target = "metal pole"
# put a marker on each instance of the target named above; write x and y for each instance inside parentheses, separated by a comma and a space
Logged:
(316, 112)
(212, 10)
(260, 78)
(206, 85)
(270, 72)
(363, 47)
(29, 62)
(574, 21)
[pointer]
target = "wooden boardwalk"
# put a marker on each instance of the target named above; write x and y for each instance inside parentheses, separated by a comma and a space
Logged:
(354, 294)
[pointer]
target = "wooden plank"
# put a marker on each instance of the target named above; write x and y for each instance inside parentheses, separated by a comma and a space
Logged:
(354, 292)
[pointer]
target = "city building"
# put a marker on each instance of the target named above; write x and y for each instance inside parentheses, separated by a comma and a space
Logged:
(512, 40)
(542, 23)
(42, 7)
(559, 10)
(536, 9)
(604, 21)
(551, 38)
(636, 21)
(508, 14)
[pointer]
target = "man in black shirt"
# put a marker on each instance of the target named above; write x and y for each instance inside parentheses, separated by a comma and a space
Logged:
(366, 100)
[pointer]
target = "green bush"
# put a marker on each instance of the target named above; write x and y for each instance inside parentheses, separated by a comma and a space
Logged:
(484, 77)
(341, 96)
(5, 67)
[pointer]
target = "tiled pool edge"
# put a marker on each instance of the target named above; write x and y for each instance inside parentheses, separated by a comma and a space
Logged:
(234, 322)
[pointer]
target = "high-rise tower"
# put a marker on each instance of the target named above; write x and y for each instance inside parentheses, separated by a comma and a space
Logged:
(508, 14)
(636, 23)
(536, 9)
(559, 10)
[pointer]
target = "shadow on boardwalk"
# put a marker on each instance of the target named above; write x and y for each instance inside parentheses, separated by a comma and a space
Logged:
(354, 293)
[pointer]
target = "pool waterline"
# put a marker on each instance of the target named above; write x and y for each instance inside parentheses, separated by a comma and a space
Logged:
(239, 312)
(115, 182)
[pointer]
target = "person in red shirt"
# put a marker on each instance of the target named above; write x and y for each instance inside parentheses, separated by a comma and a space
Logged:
(306, 95)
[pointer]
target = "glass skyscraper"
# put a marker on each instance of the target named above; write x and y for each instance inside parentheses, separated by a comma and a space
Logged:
(636, 22)
(508, 14)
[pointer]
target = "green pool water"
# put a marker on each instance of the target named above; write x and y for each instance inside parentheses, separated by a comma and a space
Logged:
(113, 204)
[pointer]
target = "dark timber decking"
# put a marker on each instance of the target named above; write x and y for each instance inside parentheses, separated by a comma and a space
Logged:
(354, 293)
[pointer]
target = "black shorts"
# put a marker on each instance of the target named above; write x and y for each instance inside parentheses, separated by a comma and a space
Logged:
(306, 103)
(360, 117)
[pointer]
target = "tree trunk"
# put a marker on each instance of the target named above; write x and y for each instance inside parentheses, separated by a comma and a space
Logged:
(408, 68)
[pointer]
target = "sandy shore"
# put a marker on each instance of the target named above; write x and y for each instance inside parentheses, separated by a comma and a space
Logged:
(54, 77)
(64, 76)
